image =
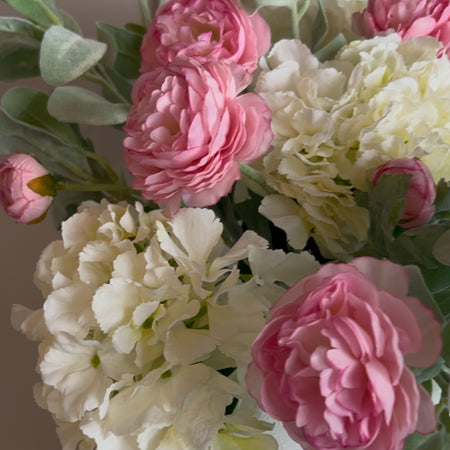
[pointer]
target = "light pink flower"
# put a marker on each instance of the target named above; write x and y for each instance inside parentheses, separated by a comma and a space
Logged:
(419, 198)
(17, 198)
(331, 363)
(187, 131)
(409, 18)
(219, 29)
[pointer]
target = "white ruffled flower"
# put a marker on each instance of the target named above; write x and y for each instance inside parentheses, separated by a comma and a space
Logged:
(141, 315)
(336, 122)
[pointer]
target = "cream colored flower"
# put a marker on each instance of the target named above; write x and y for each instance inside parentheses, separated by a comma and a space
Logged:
(141, 313)
(336, 122)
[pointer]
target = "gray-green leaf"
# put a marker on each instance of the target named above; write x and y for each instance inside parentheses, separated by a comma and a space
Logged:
(66, 55)
(30, 106)
(43, 12)
(79, 105)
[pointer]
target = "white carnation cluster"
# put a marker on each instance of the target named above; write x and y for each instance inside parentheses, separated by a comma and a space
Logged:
(143, 318)
(336, 122)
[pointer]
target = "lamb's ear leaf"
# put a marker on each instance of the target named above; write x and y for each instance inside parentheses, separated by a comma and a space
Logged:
(66, 55)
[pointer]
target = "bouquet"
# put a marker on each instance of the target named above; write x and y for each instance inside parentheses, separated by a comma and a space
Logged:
(269, 266)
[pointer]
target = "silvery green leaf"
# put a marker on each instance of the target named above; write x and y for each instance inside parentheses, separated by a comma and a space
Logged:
(79, 105)
(30, 106)
(60, 159)
(43, 12)
(66, 55)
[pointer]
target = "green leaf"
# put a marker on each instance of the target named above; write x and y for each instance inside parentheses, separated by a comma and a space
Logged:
(58, 158)
(30, 106)
(123, 85)
(427, 373)
(43, 12)
(78, 105)
(441, 249)
(123, 49)
(329, 51)
(418, 289)
(19, 49)
(66, 55)
(69, 22)
(320, 27)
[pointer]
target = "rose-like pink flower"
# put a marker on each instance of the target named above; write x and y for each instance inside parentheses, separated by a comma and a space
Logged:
(219, 29)
(187, 131)
(17, 173)
(419, 198)
(409, 18)
(331, 363)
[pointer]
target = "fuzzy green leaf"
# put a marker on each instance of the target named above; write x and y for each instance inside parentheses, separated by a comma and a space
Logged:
(66, 55)
(78, 105)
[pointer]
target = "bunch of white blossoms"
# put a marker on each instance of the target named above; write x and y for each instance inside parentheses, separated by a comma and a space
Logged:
(143, 319)
(336, 122)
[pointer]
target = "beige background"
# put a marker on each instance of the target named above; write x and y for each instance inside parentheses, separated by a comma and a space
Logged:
(24, 426)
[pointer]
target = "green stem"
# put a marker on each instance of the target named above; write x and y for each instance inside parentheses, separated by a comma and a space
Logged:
(145, 13)
(104, 163)
(297, 15)
(257, 177)
(98, 75)
(88, 187)
(52, 17)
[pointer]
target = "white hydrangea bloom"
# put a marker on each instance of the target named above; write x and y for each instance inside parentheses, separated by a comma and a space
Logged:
(141, 315)
(336, 122)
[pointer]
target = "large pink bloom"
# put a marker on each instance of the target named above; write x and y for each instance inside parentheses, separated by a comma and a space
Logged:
(219, 29)
(419, 198)
(19, 201)
(409, 18)
(331, 363)
(187, 131)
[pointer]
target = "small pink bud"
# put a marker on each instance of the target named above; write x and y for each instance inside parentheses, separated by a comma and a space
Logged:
(26, 188)
(421, 192)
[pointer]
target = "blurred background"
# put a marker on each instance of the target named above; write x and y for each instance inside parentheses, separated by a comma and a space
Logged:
(25, 426)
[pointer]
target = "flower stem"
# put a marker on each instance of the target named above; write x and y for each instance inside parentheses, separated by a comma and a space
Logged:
(88, 187)
(146, 15)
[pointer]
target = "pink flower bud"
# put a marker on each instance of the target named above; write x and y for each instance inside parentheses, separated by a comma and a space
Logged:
(21, 178)
(421, 192)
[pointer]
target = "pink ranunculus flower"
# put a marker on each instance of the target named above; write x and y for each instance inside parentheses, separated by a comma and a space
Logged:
(17, 173)
(187, 130)
(419, 198)
(332, 361)
(219, 29)
(409, 18)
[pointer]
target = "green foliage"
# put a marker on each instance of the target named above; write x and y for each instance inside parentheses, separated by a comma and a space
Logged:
(43, 12)
(19, 48)
(30, 106)
(123, 49)
(320, 27)
(65, 55)
(61, 159)
(79, 105)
